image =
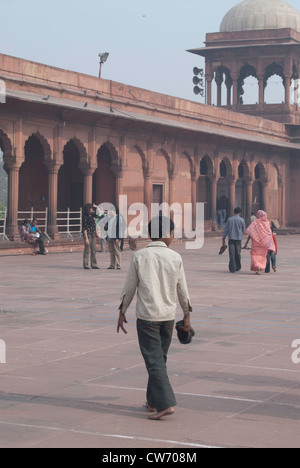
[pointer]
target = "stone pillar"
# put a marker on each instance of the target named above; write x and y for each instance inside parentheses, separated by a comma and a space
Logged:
(249, 199)
(172, 177)
(53, 169)
(213, 200)
(88, 186)
(194, 196)
(13, 171)
(148, 190)
(265, 187)
(12, 229)
(232, 183)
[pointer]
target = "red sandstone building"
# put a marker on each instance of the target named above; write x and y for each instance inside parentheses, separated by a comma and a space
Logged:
(69, 138)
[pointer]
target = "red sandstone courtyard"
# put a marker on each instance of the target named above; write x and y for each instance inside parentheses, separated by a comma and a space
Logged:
(71, 381)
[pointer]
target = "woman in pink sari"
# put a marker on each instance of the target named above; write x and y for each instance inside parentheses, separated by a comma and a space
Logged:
(262, 241)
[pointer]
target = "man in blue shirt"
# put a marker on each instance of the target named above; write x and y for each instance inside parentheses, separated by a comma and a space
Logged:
(234, 229)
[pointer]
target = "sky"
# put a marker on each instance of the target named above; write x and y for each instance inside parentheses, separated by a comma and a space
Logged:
(147, 39)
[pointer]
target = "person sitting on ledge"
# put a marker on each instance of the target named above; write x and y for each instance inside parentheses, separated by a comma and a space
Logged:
(25, 235)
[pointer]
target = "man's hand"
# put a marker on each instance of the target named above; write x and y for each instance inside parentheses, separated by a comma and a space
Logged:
(187, 323)
(121, 321)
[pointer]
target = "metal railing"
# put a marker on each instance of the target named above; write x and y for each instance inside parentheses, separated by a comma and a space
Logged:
(69, 223)
(3, 215)
(40, 216)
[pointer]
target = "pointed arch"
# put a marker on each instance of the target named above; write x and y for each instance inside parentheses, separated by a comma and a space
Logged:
(33, 174)
(104, 179)
(225, 168)
(44, 143)
(80, 147)
(206, 166)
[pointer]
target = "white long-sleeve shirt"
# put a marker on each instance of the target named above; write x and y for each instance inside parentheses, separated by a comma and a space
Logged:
(157, 273)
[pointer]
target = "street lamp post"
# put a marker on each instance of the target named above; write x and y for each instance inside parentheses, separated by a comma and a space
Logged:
(103, 57)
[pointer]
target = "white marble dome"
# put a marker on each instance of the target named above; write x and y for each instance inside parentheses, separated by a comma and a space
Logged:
(251, 15)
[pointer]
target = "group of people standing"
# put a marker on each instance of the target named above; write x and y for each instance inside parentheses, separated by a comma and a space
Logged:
(111, 226)
(264, 243)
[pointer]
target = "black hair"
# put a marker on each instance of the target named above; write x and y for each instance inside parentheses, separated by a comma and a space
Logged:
(160, 227)
(237, 210)
(86, 209)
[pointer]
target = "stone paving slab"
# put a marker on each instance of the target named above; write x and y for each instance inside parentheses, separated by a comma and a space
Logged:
(71, 381)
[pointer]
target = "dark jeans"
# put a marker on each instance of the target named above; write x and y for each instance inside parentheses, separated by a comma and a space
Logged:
(271, 258)
(40, 242)
(235, 255)
(155, 339)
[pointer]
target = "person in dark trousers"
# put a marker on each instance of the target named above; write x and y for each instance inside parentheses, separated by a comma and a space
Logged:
(89, 236)
(234, 229)
(272, 255)
(36, 234)
(157, 273)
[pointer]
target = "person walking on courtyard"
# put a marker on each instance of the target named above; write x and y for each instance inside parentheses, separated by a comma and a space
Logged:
(157, 273)
(234, 229)
(89, 235)
(272, 255)
(262, 241)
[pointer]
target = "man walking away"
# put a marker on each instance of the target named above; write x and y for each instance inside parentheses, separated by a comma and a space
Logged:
(234, 229)
(157, 273)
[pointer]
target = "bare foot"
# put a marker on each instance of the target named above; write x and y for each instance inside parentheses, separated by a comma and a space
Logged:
(160, 414)
(149, 408)
(258, 272)
(274, 269)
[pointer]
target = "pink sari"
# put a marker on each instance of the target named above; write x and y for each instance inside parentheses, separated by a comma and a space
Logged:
(262, 241)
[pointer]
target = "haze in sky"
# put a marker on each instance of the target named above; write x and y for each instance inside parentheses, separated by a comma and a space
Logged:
(146, 39)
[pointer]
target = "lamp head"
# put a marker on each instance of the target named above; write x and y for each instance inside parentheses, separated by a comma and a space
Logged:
(103, 57)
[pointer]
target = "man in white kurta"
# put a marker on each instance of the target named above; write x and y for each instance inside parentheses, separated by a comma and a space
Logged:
(157, 274)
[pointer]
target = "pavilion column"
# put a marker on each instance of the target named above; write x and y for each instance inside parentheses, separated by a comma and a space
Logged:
(208, 89)
(249, 199)
(12, 230)
(235, 90)
(219, 81)
(261, 87)
(287, 89)
(53, 169)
